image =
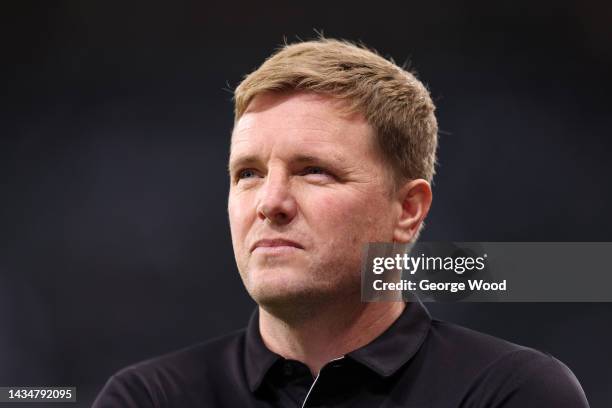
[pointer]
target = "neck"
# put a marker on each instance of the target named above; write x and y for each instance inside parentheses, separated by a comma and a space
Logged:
(328, 334)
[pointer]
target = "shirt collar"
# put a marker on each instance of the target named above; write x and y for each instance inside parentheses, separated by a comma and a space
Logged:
(398, 344)
(258, 358)
(384, 355)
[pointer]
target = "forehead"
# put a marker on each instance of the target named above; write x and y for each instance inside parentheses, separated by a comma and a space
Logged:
(300, 121)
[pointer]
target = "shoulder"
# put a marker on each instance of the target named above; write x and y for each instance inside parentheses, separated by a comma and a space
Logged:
(155, 381)
(464, 343)
(502, 373)
(196, 359)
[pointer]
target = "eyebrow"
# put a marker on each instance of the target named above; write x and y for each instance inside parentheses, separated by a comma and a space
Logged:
(250, 160)
(242, 161)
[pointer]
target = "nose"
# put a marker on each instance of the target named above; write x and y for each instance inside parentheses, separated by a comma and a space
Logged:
(276, 201)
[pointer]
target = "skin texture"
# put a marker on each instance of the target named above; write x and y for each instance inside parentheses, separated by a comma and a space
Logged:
(311, 183)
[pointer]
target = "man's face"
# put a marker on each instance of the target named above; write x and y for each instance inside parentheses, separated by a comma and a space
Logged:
(308, 189)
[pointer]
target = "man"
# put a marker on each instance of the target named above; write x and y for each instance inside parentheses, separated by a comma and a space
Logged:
(334, 147)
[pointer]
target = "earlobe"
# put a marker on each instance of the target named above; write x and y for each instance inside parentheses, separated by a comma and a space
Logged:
(415, 198)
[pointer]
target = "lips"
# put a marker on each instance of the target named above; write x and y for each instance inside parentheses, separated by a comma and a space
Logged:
(275, 243)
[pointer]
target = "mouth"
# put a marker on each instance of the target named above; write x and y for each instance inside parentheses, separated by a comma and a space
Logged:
(275, 245)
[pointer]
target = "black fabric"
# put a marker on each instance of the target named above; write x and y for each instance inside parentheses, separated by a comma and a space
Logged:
(417, 362)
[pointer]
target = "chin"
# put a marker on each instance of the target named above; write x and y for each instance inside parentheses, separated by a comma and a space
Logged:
(287, 290)
(291, 298)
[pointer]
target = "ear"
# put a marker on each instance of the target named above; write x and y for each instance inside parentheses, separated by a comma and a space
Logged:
(415, 200)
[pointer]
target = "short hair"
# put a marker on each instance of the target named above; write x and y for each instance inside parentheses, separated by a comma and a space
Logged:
(394, 102)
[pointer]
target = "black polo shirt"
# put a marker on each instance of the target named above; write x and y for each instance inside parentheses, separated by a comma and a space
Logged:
(416, 362)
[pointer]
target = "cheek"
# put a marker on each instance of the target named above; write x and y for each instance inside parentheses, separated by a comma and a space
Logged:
(348, 216)
(239, 214)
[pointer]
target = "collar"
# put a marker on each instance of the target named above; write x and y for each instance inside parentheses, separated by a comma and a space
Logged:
(258, 358)
(398, 344)
(384, 355)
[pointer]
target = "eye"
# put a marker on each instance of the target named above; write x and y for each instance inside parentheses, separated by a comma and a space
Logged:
(314, 170)
(246, 173)
(318, 174)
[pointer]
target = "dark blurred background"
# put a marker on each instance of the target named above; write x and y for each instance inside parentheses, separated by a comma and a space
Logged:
(116, 116)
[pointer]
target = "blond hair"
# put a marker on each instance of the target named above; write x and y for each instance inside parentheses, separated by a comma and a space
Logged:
(394, 102)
